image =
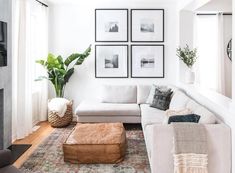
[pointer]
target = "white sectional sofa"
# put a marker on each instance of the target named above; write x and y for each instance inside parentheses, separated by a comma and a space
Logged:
(128, 104)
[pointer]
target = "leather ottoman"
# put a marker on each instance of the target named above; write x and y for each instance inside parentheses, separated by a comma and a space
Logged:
(96, 143)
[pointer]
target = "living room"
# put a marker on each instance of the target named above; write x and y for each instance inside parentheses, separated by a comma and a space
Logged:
(117, 86)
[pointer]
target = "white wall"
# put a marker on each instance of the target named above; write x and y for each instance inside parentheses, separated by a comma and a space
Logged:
(228, 63)
(186, 34)
(217, 5)
(71, 29)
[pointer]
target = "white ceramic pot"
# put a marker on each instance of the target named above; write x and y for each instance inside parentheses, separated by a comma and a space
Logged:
(190, 77)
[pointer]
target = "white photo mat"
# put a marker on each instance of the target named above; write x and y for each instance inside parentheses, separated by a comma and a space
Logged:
(147, 25)
(147, 61)
(111, 25)
(111, 61)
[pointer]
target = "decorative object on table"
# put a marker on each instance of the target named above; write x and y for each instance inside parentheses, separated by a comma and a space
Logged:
(87, 143)
(60, 112)
(189, 57)
(59, 70)
(147, 25)
(161, 99)
(111, 25)
(229, 49)
(147, 61)
(111, 61)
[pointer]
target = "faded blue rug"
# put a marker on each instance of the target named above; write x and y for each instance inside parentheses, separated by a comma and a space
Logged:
(48, 157)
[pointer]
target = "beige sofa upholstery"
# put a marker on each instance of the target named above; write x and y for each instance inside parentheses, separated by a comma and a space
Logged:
(158, 139)
(159, 136)
(108, 112)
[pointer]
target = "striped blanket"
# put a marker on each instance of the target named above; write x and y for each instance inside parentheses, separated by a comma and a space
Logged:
(190, 148)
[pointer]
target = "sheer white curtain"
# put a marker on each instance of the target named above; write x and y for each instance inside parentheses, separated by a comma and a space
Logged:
(209, 41)
(39, 50)
(30, 43)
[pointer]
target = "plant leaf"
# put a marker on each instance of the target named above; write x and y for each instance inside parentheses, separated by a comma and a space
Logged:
(40, 62)
(71, 58)
(68, 75)
(41, 78)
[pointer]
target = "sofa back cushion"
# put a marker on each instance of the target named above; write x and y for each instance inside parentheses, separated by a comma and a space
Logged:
(179, 100)
(207, 117)
(143, 93)
(119, 94)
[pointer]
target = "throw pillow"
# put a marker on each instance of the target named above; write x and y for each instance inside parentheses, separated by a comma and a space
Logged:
(152, 92)
(161, 99)
(170, 113)
(192, 118)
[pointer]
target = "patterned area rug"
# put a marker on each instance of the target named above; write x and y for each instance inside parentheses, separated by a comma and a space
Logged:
(48, 157)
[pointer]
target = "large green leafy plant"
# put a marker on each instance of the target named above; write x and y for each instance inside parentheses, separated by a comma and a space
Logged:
(187, 55)
(59, 70)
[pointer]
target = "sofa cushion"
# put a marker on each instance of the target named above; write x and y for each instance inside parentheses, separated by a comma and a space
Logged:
(10, 169)
(179, 100)
(170, 113)
(143, 93)
(191, 118)
(119, 94)
(207, 117)
(161, 99)
(152, 92)
(109, 109)
(151, 115)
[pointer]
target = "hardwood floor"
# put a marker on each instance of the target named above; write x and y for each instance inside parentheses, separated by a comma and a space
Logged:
(35, 139)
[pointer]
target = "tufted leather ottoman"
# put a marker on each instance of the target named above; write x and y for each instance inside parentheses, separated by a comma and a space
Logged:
(96, 143)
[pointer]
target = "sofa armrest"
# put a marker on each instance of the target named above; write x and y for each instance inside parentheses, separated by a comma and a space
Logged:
(159, 139)
(5, 158)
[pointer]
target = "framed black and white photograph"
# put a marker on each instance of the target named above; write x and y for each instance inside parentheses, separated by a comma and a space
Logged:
(111, 25)
(147, 25)
(147, 61)
(111, 61)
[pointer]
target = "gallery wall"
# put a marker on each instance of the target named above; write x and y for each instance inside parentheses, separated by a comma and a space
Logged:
(71, 29)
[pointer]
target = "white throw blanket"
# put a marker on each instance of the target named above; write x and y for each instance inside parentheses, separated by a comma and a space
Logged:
(190, 148)
(58, 105)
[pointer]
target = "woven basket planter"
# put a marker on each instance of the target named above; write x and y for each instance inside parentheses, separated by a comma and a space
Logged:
(56, 121)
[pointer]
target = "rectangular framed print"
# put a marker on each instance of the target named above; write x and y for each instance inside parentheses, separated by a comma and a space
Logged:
(147, 25)
(147, 61)
(111, 25)
(111, 61)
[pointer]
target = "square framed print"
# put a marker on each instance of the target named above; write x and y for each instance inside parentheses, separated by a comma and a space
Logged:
(147, 61)
(147, 25)
(111, 61)
(111, 25)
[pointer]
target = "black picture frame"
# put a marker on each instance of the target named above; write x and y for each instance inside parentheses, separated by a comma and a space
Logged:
(148, 41)
(127, 24)
(127, 61)
(163, 63)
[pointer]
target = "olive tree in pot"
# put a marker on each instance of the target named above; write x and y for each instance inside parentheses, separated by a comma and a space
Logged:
(59, 71)
(189, 57)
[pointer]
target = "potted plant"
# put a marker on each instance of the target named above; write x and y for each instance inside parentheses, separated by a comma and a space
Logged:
(60, 112)
(189, 57)
(59, 71)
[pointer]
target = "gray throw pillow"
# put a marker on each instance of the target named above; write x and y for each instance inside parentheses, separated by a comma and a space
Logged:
(152, 92)
(161, 99)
